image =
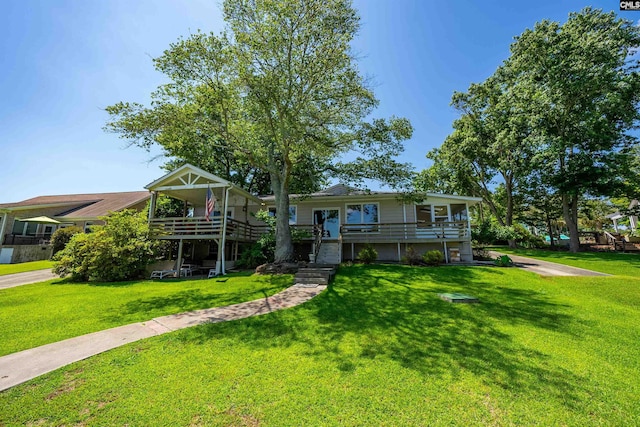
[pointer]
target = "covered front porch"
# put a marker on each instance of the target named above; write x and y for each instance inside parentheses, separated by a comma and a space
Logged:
(216, 216)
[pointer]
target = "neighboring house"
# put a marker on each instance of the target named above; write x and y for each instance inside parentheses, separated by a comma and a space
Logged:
(22, 241)
(340, 221)
(633, 219)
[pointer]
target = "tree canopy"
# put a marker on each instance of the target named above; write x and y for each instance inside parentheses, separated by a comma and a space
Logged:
(278, 94)
(559, 116)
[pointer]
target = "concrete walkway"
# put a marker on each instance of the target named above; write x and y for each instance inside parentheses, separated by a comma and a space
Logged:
(546, 268)
(17, 279)
(19, 367)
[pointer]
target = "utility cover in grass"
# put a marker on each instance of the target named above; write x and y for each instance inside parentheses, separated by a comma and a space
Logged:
(459, 298)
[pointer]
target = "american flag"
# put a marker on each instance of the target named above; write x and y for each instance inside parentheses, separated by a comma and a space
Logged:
(210, 204)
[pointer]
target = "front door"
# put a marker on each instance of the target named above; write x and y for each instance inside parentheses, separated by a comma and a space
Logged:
(331, 220)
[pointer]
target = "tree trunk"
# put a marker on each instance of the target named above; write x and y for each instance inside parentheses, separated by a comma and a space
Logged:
(508, 220)
(550, 230)
(284, 245)
(570, 213)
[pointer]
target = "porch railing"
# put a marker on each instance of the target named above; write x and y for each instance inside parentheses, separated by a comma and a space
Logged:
(37, 239)
(199, 226)
(397, 232)
(392, 232)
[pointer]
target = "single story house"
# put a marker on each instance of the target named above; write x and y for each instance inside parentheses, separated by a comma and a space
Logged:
(27, 226)
(339, 220)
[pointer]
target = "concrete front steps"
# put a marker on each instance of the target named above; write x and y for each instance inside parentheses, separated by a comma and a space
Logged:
(315, 274)
(330, 253)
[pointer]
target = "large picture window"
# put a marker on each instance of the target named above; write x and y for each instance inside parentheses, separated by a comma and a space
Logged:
(459, 212)
(363, 213)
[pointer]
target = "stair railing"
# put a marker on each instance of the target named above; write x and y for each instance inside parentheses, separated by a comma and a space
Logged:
(318, 231)
(613, 241)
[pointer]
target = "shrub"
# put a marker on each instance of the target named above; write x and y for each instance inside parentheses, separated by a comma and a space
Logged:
(412, 257)
(368, 254)
(434, 257)
(61, 237)
(503, 261)
(252, 257)
(119, 250)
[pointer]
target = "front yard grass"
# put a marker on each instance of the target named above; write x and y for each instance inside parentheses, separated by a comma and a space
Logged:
(42, 313)
(376, 348)
(617, 263)
(24, 267)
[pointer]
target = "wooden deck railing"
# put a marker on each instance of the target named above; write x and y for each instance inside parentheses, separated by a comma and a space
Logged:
(398, 232)
(37, 239)
(199, 226)
(392, 232)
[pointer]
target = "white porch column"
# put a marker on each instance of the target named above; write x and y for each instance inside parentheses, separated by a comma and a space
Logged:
(468, 220)
(152, 205)
(179, 260)
(446, 254)
(615, 224)
(404, 216)
(224, 228)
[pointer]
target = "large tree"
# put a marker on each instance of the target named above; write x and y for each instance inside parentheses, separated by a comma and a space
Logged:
(279, 90)
(489, 146)
(582, 88)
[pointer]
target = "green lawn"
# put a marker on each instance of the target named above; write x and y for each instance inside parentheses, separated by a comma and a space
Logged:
(33, 315)
(25, 266)
(626, 264)
(377, 348)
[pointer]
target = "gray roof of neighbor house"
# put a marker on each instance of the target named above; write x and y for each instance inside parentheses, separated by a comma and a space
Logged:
(81, 205)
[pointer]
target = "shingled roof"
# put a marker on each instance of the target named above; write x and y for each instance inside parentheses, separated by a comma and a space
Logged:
(82, 205)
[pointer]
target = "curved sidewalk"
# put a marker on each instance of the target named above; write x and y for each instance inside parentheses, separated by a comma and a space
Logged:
(19, 367)
(547, 268)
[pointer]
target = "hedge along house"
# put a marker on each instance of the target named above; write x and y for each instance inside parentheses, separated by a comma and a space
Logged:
(339, 221)
(26, 227)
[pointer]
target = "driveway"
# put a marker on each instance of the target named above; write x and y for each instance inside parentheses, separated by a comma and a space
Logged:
(546, 268)
(18, 279)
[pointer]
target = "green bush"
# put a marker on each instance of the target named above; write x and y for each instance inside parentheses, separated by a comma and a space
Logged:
(368, 254)
(434, 257)
(503, 261)
(490, 233)
(119, 250)
(412, 257)
(252, 257)
(62, 236)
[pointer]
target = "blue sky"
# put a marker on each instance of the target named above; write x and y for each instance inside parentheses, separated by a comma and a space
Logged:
(63, 61)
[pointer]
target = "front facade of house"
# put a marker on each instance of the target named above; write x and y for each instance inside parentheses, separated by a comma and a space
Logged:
(26, 227)
(338, 221)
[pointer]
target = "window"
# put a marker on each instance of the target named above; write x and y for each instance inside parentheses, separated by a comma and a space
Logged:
(363, 213)
(21, 228)
(87, 226)
(293, 213)
(423, 216)
(441, 213)
(18, 227)
(459, 212)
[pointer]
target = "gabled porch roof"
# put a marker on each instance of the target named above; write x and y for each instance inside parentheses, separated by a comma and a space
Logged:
(190, 183)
